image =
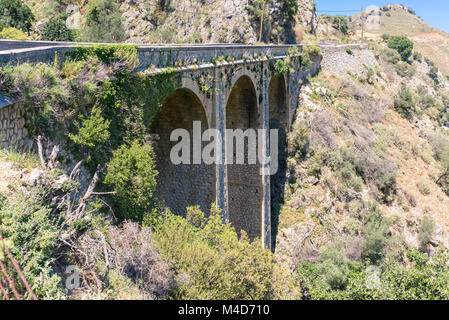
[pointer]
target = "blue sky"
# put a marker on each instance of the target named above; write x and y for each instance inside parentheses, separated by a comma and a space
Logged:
(434, 12)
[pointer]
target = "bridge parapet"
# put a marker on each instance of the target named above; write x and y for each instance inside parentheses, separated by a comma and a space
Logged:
(13, 52)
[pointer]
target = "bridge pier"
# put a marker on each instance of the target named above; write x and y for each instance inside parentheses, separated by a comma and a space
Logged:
(219, 116)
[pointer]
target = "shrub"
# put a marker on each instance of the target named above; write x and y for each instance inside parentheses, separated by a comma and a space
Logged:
(426, 232)
(211, 262)
(309, 53)
(305, 61)
(340, 23)
(12, 34)
(348, 50)
(421, 279)
(103, 22)
(299, 138)
(26, 223)
(280, 68)
(378, 172)
(343, 162)
(376, 234)
(132, 175)
(433, 74)
(404, 103)
(390, 55)
(423, 188)
(417, 56)
(385, 36)
(14, 13)
(402, 45)
(313, 50)
(405, 70)
(334, 265)
(93, 135)
(322, 130)
(56, 30)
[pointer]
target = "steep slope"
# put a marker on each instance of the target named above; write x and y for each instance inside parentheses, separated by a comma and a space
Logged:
(400, 20)
(364, 143)
(196, 21)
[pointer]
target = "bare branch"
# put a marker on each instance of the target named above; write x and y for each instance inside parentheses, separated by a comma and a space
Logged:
(52, 161)
(40, 150)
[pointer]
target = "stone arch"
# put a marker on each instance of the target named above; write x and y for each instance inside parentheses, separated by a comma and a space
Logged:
(278, 101)
(237, 75)
(182, 185)
(278, 119)
(245, 184)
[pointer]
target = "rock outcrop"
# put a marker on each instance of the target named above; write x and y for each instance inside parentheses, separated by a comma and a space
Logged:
(215, 21)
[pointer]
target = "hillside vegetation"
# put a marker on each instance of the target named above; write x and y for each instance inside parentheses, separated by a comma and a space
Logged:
(162, 21)
(400, 20)
(366, 184)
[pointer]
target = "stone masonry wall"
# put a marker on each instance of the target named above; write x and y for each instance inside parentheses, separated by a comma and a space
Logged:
(13, 133)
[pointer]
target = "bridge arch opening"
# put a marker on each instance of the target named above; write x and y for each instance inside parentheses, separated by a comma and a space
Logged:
(245, 185)
(182, 185)
(278, 119)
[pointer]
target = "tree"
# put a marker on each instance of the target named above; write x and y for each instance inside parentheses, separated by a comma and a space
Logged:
(132, 175)
(340, 23)
(56, 30)
(402, 45)
(13, 13)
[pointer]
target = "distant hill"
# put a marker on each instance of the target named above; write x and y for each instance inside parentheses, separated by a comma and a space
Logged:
(397, 19)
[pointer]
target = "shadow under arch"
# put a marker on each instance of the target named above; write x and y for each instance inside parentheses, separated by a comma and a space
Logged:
(278, 119)
(245, 184)
(182, 185)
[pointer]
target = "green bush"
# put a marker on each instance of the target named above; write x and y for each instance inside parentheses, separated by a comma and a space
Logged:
(404, 103)
(417, 56)
(211, 262)
(405, 70)
(14, 13)
(103, 22)
(390, 55)
(402, 45)
(334, 265)
(56, 30)
(30, 231)
(132, 175)
(298, 139)
(418, 279)
(12, 34)
(340, 23)
(426, 232)
(433, 74)
(343, 162)
(376, 235)
(280, 68)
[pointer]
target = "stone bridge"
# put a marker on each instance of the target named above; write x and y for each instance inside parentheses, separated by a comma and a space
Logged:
(224, 87)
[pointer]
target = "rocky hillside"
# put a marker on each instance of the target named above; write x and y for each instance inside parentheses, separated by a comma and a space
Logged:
(367, 141)
(184, 21)
(401, 20)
